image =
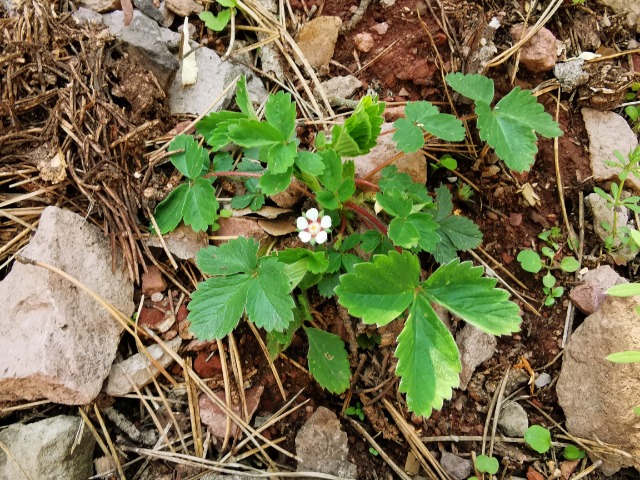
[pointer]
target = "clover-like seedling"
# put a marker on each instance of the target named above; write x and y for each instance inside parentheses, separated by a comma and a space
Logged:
(487, 464)
(355, 411)
(538, 438)
(218, 22)
(571, 452)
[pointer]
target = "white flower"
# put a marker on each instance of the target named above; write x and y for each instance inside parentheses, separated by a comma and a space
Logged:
(310, 229)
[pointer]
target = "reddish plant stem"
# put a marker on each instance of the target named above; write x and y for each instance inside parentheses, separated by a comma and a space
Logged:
(365, 183)
(371, 218)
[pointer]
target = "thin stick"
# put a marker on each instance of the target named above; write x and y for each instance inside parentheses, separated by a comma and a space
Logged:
(272, 366)
(112, 448)
(496, 414)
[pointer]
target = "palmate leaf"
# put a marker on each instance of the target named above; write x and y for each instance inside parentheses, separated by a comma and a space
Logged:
(379, 291)
(474, 86)
(269, 304)
(328, 360)
(428, 359)
(215, 127)
(423, 116)
(461, 289)
(240, 255)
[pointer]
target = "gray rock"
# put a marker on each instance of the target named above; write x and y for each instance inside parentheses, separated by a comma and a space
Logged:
(589, 296)
(602, 214)
(340, 87)
(139, 368)
(57, 342)
(214, 76)
(101, 6)
(607, 132)
(475, 347)
(184, 8)
(570, 74)
(543, 380)
(143, 40)
(45, 450)
(183, 242)
(598, 396)
(513, 420)
(459, 468)
(322, 446)
(627, 8)
(150, 10)
(83, 15)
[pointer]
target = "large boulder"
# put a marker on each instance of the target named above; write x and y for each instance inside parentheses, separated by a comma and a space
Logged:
(57, 342)
(47, 450)
(598, 396)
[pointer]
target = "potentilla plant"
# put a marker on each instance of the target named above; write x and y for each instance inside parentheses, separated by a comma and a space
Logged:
(375, 274)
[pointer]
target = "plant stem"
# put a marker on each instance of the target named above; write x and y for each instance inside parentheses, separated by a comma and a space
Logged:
(371, 218)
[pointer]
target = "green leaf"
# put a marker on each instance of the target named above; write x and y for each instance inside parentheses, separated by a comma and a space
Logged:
(571, 452)
(317, 262)
(279, 341)
(215, 127)
(236, 256)
(463, 233)
(360, 131)
(622, 290)
(242, 201)
(428, 359)
(200, 206)
(442, 125)
(213, 22)
(216, 306)
(327, 200)
(474, 86)
(380, 290)
(243, 100)
(445, 203)
(331, 178)
(328, 284)
(461, 288)
(280, 112)
(428, 237)
(272, 183)
(630, 356)
(328, 360)
(530, 261)
(281, 157)
(395, 202)
(228, 3)
(486, 464)
(408, 136)
(549, 280)
(403, 233)
(538, 438)
(569, 264)
(269, 304)
(189, 162)
(252, 133)
(168, 213)
(310, 163)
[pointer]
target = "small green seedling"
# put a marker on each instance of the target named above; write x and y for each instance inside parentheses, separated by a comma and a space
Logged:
(551, 237)
(485, 464)
(538, 438)
(633, 111)
(530, 261)
(571, 452)
(356, 411)
(217, 23)
(373, 451)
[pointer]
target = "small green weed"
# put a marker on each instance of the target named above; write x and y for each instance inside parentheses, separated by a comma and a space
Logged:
(356, 411)
(217, 23)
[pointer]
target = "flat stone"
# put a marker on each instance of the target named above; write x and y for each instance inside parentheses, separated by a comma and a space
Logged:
(139, 368)
(340, 88)
(57, 342)
(183, 242)
(46, 450)
(184, 8)
(539, 53)
(149, 8)
(598, 396)
(214, 76)
(459, 468)
(317, 40)
(475, 347)
(102, 6)
(513, 420)
(146, 43)
(607, 132)
(413, 164)
(589, 296)
(323, 446)
(216, 419)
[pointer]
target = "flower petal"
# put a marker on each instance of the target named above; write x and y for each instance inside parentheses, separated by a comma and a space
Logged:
(302, 223)
(325, 222)
(305, 236)
(321, 237)
(312, 214)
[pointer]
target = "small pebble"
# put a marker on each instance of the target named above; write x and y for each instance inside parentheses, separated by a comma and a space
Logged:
(543, 380)
(157, 297)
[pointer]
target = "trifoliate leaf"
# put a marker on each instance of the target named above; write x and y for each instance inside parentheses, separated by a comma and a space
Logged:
(215, 22)
(281, 157)
(530, 261)
(474, 86)
(428, 359)
(272, 183)
(390, 178)
(237, 256)
(215, 127)
(310, 163)
(395, 202)
(243, 100)
(317, 262)
(217, 305)
(380, 290)
(328, 360)
(428, 237)
(190, 161)
(463, 233)
(269, 304)
(280, 112)
(522, 106)
(423, 116)
(252, 133)
(408, 136)
(461, 289)
(201, 205)
(168, 213)
(403, 233)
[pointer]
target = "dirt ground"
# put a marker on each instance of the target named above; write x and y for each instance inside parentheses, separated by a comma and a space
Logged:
(424, 40)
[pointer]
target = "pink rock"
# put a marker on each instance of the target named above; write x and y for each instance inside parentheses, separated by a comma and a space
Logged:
(207, 368)
(380, 28)
(317, 40)
(364, 41)
(589, 296)
(539, 53)
(238, 226)
(153, 281)
(216, 419)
